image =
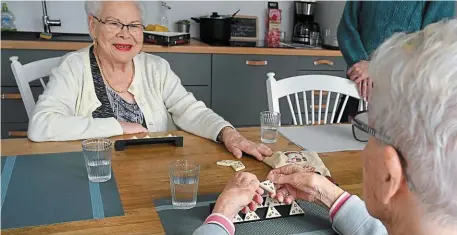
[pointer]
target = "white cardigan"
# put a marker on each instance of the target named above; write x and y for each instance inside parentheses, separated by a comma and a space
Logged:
(64, 111)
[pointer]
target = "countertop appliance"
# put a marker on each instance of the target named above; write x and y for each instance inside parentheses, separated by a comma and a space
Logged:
(305, 30)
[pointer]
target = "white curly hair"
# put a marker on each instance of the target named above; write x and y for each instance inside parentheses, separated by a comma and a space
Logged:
(414, 102)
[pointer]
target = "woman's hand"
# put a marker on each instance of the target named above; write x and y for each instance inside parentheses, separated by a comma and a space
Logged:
(294, 182)
(237, 144)
(359, 74)
(132, 128)
(240, 193)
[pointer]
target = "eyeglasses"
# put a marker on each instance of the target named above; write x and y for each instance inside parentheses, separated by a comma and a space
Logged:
(362, 131)
(116, 26)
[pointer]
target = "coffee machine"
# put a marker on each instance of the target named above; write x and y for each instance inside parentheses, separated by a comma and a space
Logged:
(305, 30)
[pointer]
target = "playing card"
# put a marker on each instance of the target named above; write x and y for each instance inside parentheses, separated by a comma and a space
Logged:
(295, 209)
(268, 186)
(272, 213)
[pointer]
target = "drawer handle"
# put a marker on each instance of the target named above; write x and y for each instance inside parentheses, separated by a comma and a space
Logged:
(17, 133)
(323, 93)
(316, 106)
(11, 96)
(256, 63)
(326, 62)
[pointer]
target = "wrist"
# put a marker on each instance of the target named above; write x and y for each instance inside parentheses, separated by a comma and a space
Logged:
(223, 133)
(222, 209)
(331, 194)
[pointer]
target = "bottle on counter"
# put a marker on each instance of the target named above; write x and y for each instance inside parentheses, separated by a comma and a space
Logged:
(7, 19)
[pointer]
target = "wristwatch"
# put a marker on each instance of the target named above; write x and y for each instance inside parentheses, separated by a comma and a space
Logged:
(221, 133)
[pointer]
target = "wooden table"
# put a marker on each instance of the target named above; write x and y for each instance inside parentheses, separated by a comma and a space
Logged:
(142, 175)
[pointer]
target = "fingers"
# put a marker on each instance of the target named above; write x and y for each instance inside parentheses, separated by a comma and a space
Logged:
(282, 179)
(250, 148)
(235, 151)
(265, 150)
(369, 89)
(360, 79)
(353, 76)
(281, 194)
(364, 90)
(289, 199)
(286, 170)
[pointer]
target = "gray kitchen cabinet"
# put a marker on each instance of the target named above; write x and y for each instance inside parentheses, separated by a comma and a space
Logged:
(13, 109)
(321, 63)
(239, 91)
(192, 69)
(201, 93)
(14, 130)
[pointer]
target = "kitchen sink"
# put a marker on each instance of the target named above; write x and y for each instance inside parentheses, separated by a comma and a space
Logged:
(35, 36)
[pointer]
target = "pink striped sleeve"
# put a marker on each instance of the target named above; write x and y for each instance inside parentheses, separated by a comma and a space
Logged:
(338, 204)
(222, 221)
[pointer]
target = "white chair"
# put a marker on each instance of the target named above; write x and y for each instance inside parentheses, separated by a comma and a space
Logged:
(311, 83)
(24, 74)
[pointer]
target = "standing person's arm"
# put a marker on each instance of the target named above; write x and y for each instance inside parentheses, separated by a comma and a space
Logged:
(348, 36)
(437, 10)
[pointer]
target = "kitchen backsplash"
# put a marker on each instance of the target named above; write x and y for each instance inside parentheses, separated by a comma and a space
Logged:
(71, 13)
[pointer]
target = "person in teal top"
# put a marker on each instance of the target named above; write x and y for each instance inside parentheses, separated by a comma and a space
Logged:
(365, 25)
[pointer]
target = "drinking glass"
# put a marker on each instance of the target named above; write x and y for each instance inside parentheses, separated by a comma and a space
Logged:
(97, 155)
(269, 124)
(184, 175)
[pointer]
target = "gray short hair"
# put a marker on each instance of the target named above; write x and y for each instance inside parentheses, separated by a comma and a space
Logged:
(93, 8)
(414, 102)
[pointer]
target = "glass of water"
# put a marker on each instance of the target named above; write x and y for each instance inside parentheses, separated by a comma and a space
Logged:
(269, 123)
(184, 176)
(97, 154)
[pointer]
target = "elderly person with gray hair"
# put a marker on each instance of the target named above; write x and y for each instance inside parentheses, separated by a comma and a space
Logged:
(112, 88)
(410, 161)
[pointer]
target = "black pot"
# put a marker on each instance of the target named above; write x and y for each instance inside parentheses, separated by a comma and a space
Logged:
(215, 28)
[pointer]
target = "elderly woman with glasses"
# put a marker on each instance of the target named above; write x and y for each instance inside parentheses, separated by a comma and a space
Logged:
(409, 163)
(112, 88)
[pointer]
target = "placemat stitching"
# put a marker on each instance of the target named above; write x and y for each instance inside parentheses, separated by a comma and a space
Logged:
(6, 176)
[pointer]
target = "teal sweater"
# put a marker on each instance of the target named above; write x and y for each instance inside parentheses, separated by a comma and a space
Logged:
(365, 25)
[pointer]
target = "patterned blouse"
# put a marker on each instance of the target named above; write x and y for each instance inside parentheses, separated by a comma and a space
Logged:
(112, 104)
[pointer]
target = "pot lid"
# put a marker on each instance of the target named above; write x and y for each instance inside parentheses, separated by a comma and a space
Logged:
(214, 15)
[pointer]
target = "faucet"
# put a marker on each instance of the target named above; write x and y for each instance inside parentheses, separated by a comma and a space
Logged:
(47, 23)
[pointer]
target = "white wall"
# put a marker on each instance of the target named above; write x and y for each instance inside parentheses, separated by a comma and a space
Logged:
(73, 17)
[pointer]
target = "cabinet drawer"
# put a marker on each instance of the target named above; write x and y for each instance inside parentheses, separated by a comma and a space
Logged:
(201, 93)
(13, 109)
(324, 72)
(238, 91)
(192, 69)
(14, 130)
(321, 63)
(25, 56)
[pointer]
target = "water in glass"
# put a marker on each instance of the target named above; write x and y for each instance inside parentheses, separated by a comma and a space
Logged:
(184, 183)
(268, 134)
(97, 155)
(269, 124)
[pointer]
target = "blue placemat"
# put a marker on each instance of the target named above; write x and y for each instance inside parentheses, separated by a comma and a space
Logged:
(315, 221)
(53, 188)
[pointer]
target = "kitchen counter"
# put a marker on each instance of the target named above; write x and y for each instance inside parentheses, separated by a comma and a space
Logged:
(194, 46)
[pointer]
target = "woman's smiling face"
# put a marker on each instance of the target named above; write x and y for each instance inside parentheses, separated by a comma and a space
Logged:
(120, 45)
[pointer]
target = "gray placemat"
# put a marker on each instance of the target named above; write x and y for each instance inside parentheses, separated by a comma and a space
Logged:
(177, 222)
(53, 188)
